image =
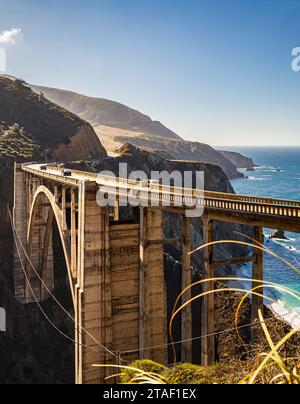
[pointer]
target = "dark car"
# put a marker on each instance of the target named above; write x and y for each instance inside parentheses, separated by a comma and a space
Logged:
(67, 173)
(43, 168)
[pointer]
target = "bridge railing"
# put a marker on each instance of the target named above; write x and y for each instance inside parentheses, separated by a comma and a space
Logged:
(257, 208)
(251, 199)
(230, 205)
(156, 186)
(51, 176)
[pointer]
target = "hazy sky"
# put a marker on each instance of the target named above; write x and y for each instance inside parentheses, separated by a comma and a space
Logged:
(214, 71)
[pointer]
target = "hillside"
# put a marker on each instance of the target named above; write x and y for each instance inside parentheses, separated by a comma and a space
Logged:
(99, 111)
(50, 131)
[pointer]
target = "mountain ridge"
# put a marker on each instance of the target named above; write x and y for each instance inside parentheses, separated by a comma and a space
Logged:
(103, 111)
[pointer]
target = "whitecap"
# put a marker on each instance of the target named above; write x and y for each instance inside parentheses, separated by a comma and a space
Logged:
(281, 311)
(265, 167)
(291, 249)
(280, 240)
(262, 178)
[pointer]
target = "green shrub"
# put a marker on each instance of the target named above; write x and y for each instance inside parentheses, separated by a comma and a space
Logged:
(14, 142)
(193, 374)
(180, 374)
(184, 373)
(145, 365)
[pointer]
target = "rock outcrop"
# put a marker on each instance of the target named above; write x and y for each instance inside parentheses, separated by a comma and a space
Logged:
(279, 234)
(185, 151)
(82, 145)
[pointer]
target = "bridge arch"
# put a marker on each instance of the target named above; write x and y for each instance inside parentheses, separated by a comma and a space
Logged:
(45, 207)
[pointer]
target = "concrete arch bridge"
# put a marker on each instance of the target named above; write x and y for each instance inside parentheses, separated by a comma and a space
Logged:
(116, 270)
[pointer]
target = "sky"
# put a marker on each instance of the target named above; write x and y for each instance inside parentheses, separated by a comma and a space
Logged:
(214, 71)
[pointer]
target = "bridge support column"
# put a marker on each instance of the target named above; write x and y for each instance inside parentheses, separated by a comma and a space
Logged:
(142, 279)
(153, 305)
(186, 323)
(73, 234)
(208, 301)
(94, 304)
(20, 222)
(257, 274)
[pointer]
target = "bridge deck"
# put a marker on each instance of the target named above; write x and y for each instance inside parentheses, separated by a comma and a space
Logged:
(265, 212)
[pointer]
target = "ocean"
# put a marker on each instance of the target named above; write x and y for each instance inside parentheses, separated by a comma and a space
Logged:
(267, 181)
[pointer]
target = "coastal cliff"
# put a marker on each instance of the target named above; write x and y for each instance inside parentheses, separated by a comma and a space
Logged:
(239, 160)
